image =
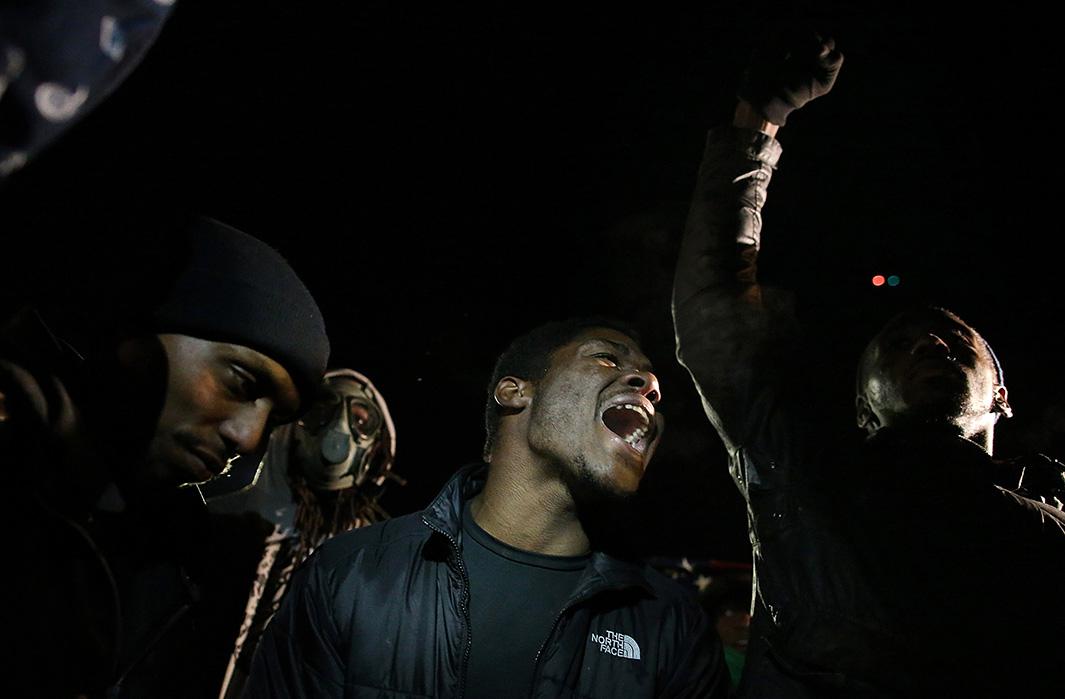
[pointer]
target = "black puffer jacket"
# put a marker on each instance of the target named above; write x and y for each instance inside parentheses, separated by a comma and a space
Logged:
(382, 612)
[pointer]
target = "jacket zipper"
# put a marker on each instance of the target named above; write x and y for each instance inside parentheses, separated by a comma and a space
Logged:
(585, 596)
(543, 645)
(465, 603)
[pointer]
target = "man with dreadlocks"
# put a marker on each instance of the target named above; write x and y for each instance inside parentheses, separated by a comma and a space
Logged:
(321, 476)
(897, 560)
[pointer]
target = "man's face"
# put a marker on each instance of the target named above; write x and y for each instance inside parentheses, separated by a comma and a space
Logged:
(334, 442)
(221, 401)
(733, 625)
(929, 367)
(593, 414)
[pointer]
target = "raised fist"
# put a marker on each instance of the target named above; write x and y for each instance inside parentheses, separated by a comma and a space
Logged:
(789, 71)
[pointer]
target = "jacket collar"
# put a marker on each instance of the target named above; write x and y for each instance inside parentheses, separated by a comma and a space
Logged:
(444, 517)
(608, 573)
(444, 514)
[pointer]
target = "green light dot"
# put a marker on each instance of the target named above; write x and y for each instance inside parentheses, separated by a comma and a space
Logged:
(893, 280)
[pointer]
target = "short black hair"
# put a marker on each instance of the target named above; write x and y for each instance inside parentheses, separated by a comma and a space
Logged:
(529, 355)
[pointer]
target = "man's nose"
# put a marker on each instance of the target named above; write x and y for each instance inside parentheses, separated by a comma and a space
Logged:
(646, 383)
(245, 430)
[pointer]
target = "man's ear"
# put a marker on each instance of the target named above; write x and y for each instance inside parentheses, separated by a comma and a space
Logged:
(864, 415)
(999, 404)
(513, 394)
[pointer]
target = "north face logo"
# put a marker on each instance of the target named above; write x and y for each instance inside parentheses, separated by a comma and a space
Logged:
(617, 644)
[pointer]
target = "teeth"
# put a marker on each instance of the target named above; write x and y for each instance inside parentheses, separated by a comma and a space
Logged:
(637, 436)
(634, 438)
(637, 408)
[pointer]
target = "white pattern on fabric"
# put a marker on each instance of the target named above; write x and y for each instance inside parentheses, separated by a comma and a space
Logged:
(57, 103)
(12, 162)
(112, 39)
(14, 62)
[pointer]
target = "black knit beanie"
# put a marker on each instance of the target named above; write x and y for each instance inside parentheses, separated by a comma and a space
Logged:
(231, 287)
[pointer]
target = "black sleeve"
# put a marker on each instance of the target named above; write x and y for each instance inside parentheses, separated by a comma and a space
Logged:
(700, 672)
(299, 655)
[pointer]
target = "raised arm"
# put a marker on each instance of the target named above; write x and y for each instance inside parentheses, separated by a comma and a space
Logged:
(728, 327)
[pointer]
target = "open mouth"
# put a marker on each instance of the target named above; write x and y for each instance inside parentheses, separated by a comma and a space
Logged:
(632, 423)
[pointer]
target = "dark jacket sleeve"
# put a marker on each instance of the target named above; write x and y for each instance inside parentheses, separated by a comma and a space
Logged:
(730, 331)
(299, 655)
(700, 672)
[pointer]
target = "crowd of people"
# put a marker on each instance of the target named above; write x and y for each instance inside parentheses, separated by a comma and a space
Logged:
(228, 540)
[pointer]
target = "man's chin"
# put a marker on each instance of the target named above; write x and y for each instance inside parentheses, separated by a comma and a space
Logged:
(938, 410)
(168, 474)
(590, 490)
(940, 396)
(608, 513)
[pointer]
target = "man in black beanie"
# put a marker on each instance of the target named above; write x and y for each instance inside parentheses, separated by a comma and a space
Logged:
(107, 435)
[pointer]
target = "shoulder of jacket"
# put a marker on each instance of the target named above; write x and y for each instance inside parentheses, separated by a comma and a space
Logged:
(396, 535)
(25, 395)
(671, 593)
(1035, 476)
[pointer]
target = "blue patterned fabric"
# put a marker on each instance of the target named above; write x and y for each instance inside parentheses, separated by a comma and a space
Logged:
(59, 59)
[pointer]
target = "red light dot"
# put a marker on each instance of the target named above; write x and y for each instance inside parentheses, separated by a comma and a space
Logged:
(878, 280)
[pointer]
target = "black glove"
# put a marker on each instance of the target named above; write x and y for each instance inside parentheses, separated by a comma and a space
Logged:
(788, 72)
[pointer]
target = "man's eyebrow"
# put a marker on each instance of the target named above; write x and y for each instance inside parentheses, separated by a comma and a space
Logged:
(621, 348)
(281, 412)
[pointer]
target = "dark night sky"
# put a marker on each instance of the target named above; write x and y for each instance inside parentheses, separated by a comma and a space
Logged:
(445, 178)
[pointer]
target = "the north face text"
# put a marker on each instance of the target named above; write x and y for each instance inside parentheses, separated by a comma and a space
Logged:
(617, 644)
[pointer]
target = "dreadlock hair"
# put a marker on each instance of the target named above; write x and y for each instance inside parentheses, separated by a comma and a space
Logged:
(320, 515)
(529, 356)
(323, 513)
